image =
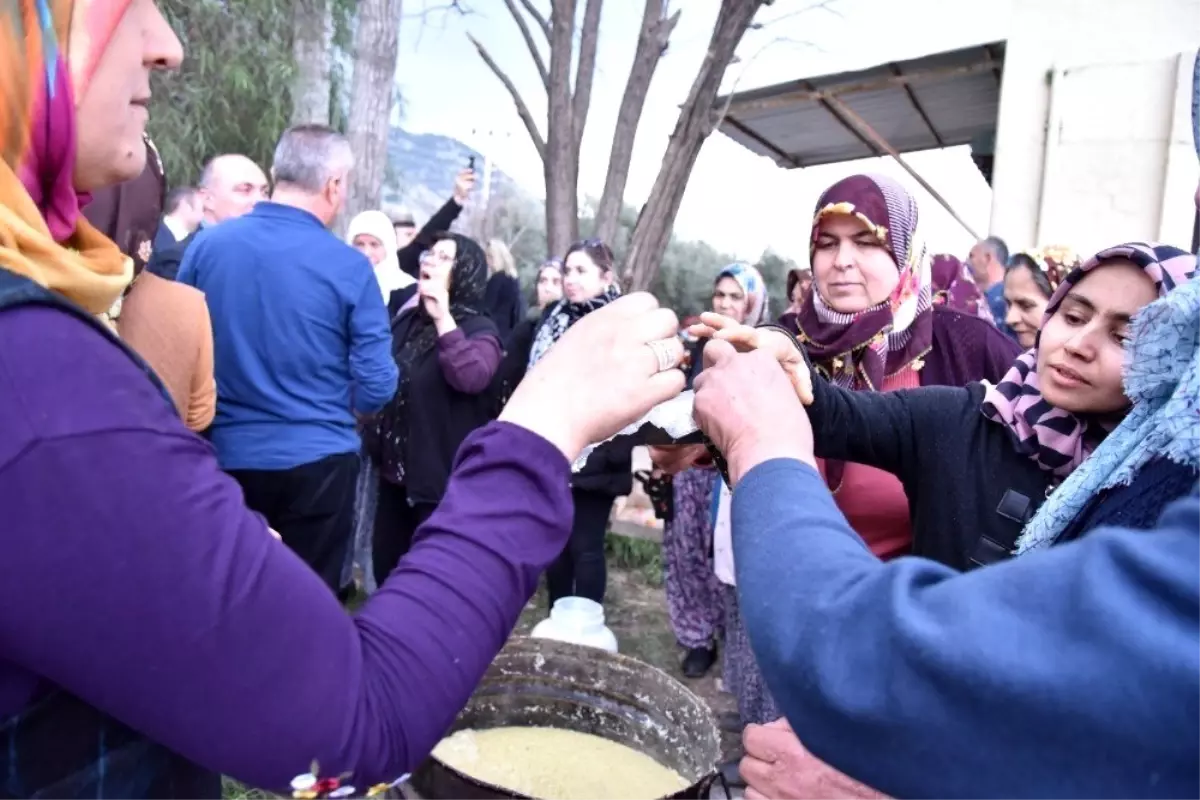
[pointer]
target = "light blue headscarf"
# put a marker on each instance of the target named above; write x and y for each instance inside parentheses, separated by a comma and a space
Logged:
(1162, 380)
(752, 283)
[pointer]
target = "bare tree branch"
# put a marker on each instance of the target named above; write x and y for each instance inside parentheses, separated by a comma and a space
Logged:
(653, 230)
(442, 12)
(538, 17)
(428, 11)
(518, 101)
(820, 5)
(585, 69)
(652, 43)
(527, 35)
(719, 116)
(561, 164)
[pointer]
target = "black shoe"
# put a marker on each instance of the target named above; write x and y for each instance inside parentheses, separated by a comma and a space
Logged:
(699, 661)
(731, 774)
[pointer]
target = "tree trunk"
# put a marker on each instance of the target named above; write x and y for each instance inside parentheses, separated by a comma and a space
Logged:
(312, 48)
(652, 42)
(562, 200)
(695, 123)
(581, 97)
(376, 36)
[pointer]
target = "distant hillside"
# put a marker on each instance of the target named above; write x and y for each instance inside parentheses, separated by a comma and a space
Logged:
(422, 167)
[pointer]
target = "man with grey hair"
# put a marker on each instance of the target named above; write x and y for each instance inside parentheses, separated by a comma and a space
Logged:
(989, 260)
(302, 346)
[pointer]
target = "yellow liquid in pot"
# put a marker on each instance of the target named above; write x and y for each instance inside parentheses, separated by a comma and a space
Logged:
(559, 764)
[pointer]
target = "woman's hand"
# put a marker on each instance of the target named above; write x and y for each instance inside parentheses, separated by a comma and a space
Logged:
(746, 338)
(748, 409)
(778, 766)
(673, 459)
(463, 184)
(436, 300)
(600, 376)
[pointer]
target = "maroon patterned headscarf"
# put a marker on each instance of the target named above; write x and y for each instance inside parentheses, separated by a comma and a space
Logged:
(954, 288)
(857, 351)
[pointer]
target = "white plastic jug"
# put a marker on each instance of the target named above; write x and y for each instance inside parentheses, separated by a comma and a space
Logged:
(577, 620)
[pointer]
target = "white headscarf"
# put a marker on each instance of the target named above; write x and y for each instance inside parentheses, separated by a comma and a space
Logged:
(387, 272)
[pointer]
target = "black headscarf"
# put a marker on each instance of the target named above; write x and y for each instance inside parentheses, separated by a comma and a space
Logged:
(414, 336)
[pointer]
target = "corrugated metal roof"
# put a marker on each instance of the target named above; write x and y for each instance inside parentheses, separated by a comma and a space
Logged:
(939, 100)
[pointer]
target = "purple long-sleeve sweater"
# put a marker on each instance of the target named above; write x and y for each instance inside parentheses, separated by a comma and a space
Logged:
(468, 363)
(136, 579)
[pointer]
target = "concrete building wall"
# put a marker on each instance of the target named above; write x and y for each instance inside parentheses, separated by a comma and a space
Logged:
(1094, 141)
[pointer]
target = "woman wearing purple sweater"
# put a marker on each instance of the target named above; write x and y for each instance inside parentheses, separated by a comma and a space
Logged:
(153, 635)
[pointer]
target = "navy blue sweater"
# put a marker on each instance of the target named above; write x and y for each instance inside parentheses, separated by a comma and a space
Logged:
(1071, 672)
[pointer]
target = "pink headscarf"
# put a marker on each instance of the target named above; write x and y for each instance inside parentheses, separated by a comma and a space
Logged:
(1059, 440)
(43, 236)
(48, 167)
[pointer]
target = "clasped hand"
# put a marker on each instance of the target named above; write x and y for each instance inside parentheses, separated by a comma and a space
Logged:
(600, 376)
(748, 406)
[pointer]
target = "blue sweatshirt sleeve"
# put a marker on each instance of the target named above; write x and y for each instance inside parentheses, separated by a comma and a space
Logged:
(1066, 673)
(371, 364)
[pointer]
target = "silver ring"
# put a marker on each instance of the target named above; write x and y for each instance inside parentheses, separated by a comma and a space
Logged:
(663, 352)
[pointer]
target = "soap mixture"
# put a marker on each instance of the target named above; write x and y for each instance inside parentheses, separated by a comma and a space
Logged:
(558, 763)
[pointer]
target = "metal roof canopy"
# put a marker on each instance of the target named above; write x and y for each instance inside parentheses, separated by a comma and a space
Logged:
(935, 101)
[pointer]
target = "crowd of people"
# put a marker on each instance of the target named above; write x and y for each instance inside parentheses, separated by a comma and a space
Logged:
(954, 551)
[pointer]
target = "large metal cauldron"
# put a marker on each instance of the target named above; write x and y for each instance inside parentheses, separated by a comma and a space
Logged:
(539, 682)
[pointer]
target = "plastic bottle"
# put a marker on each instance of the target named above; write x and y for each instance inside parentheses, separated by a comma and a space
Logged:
(577, 620)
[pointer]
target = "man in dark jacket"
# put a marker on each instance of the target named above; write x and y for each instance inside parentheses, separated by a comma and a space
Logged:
(182, 214)
(230, 186)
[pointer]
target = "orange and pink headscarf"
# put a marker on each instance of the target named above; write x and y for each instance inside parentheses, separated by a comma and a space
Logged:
(49, 50)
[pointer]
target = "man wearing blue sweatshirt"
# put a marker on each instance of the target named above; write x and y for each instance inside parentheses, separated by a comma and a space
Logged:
(1073, 672)
(301, 346)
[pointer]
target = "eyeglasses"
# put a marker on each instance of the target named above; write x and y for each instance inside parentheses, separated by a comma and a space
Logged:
(589, 243)
(435, 257)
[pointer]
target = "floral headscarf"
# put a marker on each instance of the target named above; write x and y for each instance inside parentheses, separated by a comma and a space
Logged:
(859, 350)
(48, 53)
(1058, 441)
(954, 287)
(1054, 261)
(755, 288)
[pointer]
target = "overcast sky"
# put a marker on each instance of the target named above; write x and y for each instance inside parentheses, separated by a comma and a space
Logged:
(735, 200)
